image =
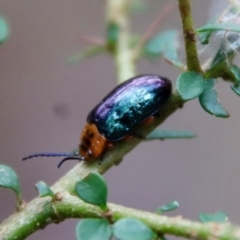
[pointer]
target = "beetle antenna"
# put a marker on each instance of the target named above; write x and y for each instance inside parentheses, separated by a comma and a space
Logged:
(50, 155)
(68, 156)
(79, 158)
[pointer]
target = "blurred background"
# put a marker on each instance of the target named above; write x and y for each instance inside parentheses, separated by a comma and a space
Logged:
(44, 104)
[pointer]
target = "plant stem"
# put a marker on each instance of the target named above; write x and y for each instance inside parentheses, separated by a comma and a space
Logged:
(117, 13)
(193, 63)
(68, 206)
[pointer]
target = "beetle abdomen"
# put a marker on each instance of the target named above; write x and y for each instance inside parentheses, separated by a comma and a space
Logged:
(129, 104)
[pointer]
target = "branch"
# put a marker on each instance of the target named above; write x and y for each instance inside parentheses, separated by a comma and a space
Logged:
(193, 63)
(69, 206)
(117, 13)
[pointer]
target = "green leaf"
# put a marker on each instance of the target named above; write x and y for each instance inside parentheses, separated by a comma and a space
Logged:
(93, 189)
(158, 134)
(44, 190)
(4, 30)
(164, 44)
(9, 179)
(168, 207)
(190, 85)
(220, 66)
(132, 229)
(224, 54)
(225, 26)
(89, 52)
(236, 89)
(218, 217)
(157, 45)
(204, 36)
(112, 35)
(210, 102)
(236, 72)
(171, 56)
(93, 229)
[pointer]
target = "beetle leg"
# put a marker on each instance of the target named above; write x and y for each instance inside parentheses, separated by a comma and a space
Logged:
(157, 114)
(101, 159)
(138, 135)
(147, 121)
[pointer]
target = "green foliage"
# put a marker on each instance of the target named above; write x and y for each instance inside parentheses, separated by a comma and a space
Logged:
(9, 179)
(236, 89)
(159, 134)
(93, 229)
(168, 207)
(44, 190)
(190, 85)
(132, 229)
(218, 217)
(236, 73)
(93, 189)
(225, 26)
(164, 44)
(4, 30)
(204, 36)
(210, 102)
(112, 36)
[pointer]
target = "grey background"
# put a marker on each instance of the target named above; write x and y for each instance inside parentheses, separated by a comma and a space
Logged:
(44, 103)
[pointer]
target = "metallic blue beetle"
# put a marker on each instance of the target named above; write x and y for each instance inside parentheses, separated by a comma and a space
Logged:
(118, 115)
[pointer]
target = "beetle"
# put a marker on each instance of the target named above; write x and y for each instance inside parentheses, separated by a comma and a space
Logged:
(118, 116)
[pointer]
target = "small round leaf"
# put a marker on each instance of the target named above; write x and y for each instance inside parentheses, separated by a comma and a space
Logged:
(9, 179)
(218, 217)
(44, 190)
(190, 85)
(93, 189)
(132, 229)
(160, 42)
(210, 102)
(168, 207)
(93, 229)
(4, 30)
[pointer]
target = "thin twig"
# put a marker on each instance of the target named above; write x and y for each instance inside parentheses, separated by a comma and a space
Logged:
(72, 207)
(93, 40)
